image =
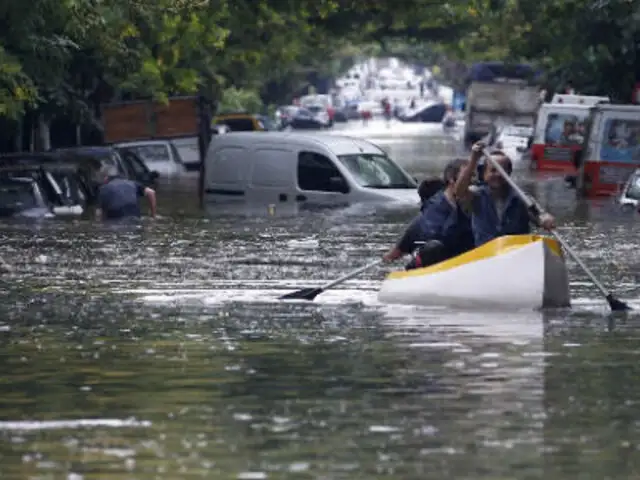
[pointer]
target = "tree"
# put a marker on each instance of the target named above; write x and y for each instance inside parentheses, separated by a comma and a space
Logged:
(63, 58)
(593, 43)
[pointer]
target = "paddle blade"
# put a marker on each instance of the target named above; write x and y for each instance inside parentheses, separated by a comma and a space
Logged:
(617, 305)
(304, 294)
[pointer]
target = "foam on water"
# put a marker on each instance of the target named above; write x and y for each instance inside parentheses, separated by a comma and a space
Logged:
(34, 425)
(364, 292)
(222, 296)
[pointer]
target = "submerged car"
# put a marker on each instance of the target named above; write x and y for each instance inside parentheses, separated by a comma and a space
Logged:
(432, 113)
(158, 155)
(284, 115)
(305, 118)
(92, 159)
(22, 197)
(65, 188)
(245, 122)
(629, 198)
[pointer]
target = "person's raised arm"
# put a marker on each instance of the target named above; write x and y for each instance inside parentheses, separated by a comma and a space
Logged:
(466, 173)
(150, 195)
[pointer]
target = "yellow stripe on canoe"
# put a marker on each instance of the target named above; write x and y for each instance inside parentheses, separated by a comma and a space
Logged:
(490, 249)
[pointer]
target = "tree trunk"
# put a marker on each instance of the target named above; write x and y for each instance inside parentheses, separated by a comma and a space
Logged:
(44, 134)
(19, 140)
(32, 136)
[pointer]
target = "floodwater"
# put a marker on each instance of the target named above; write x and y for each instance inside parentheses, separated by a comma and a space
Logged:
(161, 351)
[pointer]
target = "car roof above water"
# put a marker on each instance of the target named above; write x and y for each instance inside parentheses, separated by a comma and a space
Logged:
(337, 144)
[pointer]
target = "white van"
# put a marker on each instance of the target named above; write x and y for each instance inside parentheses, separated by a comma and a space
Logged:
(571, 99)
(292, 167)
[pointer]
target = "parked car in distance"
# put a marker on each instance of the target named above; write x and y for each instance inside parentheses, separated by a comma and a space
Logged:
(321, 114)
(138, 170)
(189, 150)
(305, 119)
(158, 155)
(514, 140)
(430, 113)
(284, 115)
(244, 122)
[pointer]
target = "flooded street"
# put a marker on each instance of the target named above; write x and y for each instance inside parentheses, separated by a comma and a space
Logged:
(161, 350)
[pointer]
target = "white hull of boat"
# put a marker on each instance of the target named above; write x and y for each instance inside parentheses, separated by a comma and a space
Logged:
(515, 272)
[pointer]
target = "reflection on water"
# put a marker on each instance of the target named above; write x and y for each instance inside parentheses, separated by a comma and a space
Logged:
(161, 351)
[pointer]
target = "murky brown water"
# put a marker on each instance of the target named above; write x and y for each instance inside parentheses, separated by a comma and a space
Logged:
(160, 352)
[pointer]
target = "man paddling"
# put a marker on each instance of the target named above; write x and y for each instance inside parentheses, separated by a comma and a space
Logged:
(495, 208)
(442, 225)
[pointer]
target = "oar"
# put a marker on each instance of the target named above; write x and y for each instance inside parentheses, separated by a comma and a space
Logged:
(615, 304)
(311, 293)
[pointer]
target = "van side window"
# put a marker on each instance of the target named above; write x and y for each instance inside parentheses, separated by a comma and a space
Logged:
(272, 167)
(226, 165)
(317, 173)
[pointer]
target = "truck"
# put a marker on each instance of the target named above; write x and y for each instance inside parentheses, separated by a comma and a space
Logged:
(498, 93)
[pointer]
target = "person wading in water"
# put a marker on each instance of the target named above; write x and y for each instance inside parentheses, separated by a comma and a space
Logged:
(118, 197)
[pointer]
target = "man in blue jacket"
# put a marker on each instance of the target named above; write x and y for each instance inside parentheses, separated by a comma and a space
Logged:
(443, 226)
(495, 207)
(118, 197)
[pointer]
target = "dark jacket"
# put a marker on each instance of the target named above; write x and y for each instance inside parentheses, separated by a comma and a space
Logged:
(439, 220)
(118, 198)
(487, 224)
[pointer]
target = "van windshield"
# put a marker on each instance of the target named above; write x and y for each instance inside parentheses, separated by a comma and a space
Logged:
(376, 171)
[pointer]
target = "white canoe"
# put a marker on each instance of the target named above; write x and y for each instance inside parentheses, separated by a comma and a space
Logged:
(517, 271)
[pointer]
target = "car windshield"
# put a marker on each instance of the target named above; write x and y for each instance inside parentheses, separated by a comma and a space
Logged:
(633, 191)
(17, 196)
(376, 171)
(153, 153)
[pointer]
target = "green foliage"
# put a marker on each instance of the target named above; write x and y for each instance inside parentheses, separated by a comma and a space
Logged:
(592, 43)
(240, 100)
(64, 56)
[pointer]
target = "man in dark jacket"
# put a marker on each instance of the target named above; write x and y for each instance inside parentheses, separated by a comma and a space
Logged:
(496, 209)
(119, 198)
(442, 226)
(427, 190)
